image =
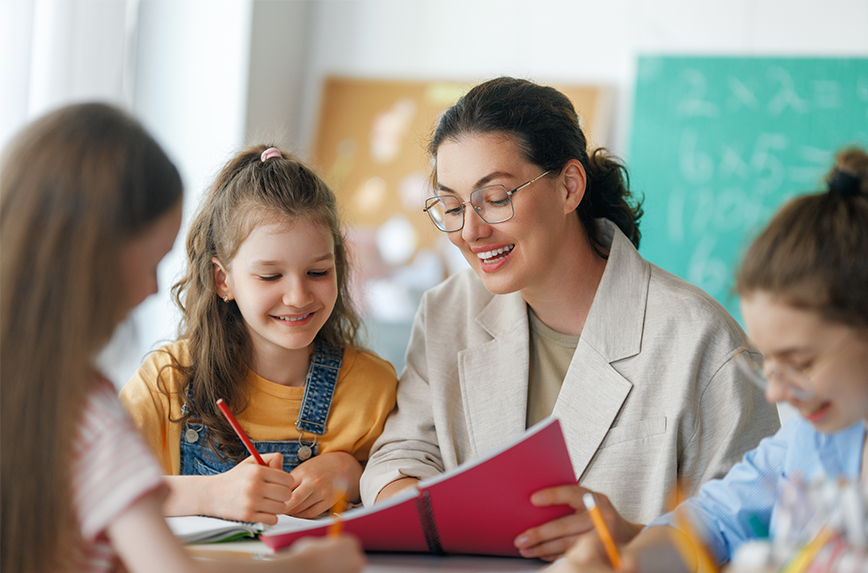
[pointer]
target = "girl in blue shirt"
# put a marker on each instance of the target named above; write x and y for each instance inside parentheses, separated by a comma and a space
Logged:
(804, 295)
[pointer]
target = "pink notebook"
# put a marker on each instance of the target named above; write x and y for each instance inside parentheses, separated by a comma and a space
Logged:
(477, 508)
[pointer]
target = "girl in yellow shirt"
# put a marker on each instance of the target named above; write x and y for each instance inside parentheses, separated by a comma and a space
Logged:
(268, 326)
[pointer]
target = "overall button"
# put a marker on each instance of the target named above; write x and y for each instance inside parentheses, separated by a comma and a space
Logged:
(304, 453)
(191, 435)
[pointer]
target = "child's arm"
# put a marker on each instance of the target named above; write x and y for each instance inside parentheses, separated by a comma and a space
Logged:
(314, 488)
(144, 542)
(550, 540)
(247, 492)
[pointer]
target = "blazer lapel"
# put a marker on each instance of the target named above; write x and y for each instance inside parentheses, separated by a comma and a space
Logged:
(494, 375)
(593, 390)
(588, 404)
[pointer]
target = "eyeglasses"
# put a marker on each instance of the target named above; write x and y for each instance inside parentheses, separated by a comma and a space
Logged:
(795, 380)
(492, 203)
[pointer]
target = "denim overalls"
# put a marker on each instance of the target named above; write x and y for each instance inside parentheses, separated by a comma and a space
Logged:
(319, 388)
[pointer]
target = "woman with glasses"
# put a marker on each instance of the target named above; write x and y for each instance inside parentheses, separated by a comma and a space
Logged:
(804, 295)
(560, 316)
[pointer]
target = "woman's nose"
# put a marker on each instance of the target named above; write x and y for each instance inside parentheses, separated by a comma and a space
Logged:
(474, 226)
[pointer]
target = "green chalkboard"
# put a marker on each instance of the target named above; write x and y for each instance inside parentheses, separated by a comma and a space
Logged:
(719, 143)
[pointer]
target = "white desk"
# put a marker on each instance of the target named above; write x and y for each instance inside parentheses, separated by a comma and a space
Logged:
(380, 562)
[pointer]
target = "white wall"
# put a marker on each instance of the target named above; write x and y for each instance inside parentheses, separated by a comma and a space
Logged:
(180, 66)
(191, 93)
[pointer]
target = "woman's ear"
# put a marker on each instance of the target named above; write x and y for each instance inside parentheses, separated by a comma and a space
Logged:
(575, 181)
(221, 280)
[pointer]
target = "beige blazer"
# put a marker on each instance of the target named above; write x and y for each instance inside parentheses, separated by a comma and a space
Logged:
(651, 395)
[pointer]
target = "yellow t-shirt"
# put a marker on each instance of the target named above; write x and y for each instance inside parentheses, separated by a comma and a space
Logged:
(363, 398)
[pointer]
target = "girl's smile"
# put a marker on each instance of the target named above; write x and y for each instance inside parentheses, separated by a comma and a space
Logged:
(284, 281)
(831, 358)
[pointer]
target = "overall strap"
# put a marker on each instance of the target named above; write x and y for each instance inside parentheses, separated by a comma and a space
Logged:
(319, 388)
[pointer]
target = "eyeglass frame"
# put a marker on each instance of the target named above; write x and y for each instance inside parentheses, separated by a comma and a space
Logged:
(762, 380)
(462, 204)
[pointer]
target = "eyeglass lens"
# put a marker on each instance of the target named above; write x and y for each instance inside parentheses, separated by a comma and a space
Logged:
(492, 203)
(750, 362)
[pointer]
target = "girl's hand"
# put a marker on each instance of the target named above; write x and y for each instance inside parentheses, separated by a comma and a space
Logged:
(551, 540)
(341, 554)
(250, 492)
(315, 490)
(589, 555)
(145, 543)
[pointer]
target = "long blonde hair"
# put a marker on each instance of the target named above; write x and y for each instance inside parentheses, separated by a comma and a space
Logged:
(246, 193)
(75, 186)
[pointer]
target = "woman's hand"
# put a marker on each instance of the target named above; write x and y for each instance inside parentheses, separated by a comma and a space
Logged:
(551, 540)
(320, 481)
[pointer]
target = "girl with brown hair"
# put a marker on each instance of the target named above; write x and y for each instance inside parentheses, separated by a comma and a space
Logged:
(89, 205)
(269, 327)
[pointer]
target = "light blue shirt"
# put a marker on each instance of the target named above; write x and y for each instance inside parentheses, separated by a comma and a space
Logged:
(728, 507)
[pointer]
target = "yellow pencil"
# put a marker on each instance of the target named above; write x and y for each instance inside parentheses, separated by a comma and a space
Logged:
(338, 508)
(704, 561)
(801, 561)
(602, 530)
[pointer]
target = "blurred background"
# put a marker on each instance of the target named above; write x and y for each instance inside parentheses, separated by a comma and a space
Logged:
(721, 108)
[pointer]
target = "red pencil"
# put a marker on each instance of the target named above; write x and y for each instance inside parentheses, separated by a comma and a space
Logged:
(240, 432)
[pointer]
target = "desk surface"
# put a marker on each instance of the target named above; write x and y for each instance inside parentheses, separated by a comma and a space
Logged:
(381, 562)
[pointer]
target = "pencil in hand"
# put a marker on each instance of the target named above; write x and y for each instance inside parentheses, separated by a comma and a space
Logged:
(340, 505)
(235, 426)
(602, 530)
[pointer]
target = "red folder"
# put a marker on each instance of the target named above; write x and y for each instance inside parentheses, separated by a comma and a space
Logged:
(479, 507)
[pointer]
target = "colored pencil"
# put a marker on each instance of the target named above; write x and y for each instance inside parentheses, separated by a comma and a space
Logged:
(235, 426)
(602, 530)
(338, 508)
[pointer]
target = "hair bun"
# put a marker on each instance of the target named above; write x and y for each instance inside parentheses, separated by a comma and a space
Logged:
(844, 183)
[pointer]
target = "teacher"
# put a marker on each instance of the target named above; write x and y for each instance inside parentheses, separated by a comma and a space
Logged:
(560, 316)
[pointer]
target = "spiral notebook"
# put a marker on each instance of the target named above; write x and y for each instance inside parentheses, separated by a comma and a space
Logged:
(477, 508)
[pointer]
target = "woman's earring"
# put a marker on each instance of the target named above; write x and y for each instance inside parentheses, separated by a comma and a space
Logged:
(225, 298)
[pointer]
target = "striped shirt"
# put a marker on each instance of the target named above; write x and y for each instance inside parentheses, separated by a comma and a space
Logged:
(112, 468)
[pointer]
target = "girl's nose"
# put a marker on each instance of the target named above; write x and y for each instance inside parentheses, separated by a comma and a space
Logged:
(297, 295)
(779, 391)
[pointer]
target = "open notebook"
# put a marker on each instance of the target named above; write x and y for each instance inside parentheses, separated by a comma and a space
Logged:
(477, 508)
(201, 529)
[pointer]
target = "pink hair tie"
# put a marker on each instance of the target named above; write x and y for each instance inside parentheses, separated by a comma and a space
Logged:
(269, 153)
